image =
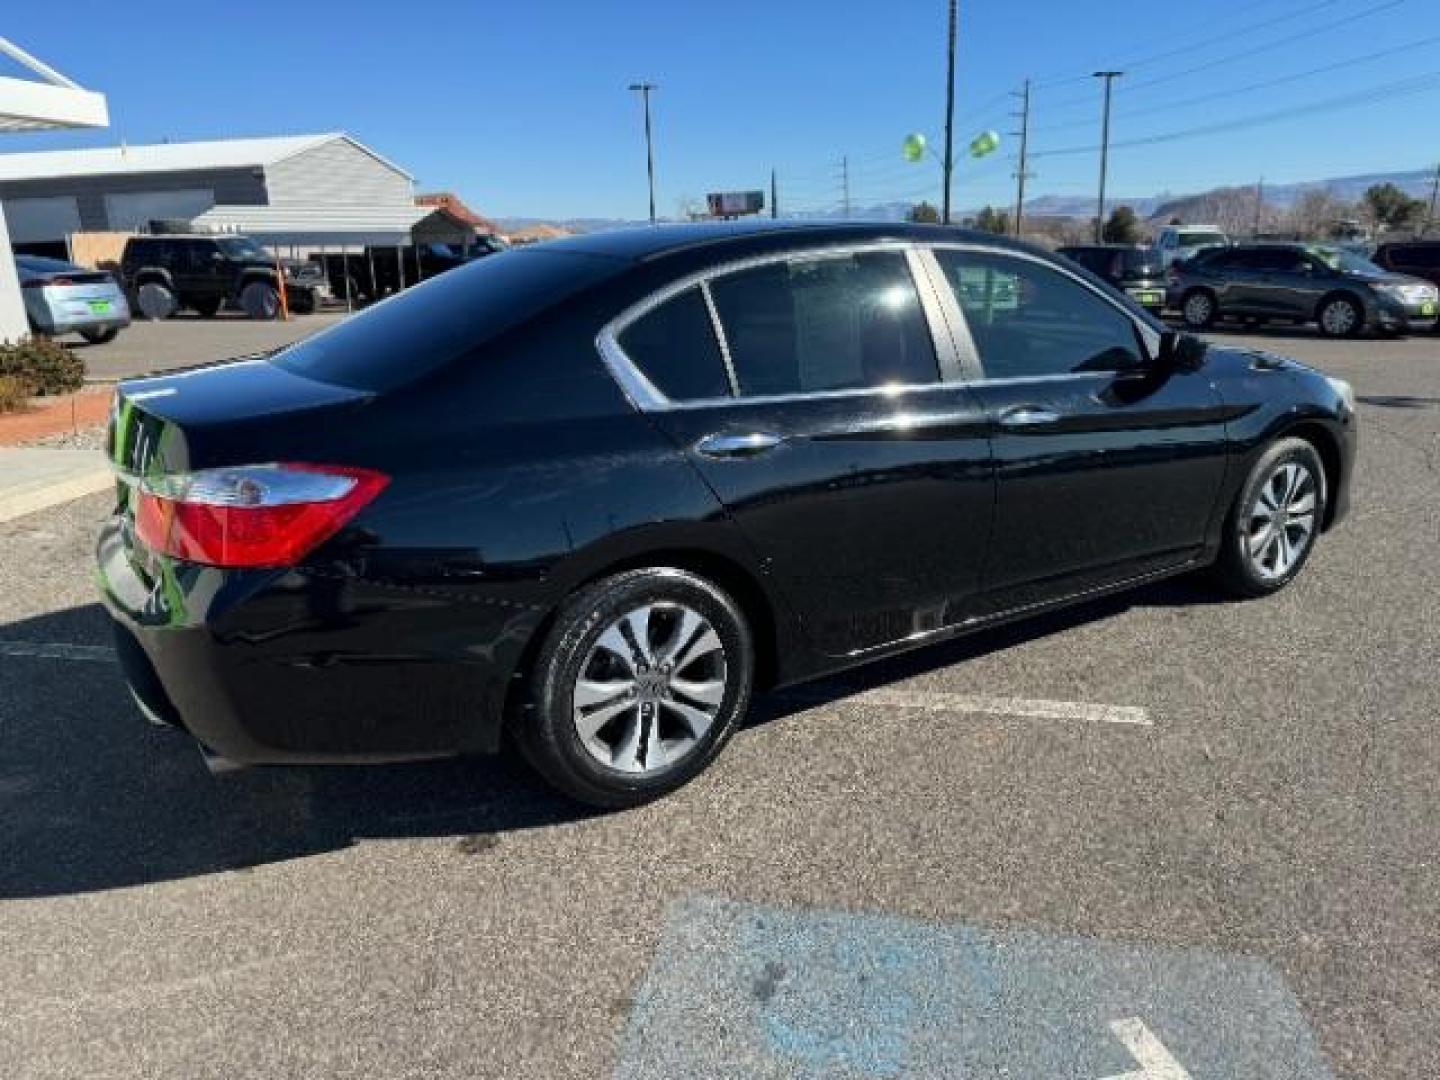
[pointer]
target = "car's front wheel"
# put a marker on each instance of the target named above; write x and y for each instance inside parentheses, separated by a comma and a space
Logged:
(1199, 309)
(641, 680)
(1340, 316)
(1275, 519)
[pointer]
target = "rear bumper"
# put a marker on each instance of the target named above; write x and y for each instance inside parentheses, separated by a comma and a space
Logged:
(298, 666)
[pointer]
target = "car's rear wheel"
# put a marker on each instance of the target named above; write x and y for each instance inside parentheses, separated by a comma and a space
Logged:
(100, 337)
(641, 680)
(260, 300)
(1340, 316)
(1275, 519)
(155, 300)
(1198, 308)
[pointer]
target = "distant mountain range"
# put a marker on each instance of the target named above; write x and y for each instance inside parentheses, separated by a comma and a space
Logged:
(1416, 183)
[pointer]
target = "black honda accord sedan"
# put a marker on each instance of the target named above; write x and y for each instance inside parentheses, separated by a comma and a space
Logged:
(594, 494)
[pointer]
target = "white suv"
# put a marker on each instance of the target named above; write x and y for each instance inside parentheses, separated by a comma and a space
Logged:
(1177, 243)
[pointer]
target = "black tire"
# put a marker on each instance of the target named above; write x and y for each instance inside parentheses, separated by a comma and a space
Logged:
(207, 307)
(260, 300)
(303, 302)
(1236, 569)
(100, 337)
(155, 300)
(1340, 316)
(547, 731)
(1199, 309)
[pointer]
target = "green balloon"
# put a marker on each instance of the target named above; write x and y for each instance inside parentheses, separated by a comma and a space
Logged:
(913, 148)
(987, 142)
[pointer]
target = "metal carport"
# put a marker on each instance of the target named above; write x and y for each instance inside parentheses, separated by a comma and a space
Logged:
(55, 103)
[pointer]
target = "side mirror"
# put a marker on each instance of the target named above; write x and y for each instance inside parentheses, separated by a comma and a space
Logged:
(1181, 352)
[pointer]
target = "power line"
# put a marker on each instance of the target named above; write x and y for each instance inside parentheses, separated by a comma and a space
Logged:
(1193, 46)
(1412, 85)
(1243, 54)
(1266, 84)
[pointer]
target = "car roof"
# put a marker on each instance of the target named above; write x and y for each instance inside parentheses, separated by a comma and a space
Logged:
(739, 238)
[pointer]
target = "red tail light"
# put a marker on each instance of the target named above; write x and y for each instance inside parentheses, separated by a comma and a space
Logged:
(250, 516)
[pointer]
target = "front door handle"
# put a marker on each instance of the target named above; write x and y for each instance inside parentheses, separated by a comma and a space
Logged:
(738, 444)
(1028, 416)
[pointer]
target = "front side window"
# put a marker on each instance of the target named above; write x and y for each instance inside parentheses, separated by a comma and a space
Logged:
(674, 346)
(1029, 320)
(836, 323)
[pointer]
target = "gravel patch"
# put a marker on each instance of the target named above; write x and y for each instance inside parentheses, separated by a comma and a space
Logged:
(88, 438)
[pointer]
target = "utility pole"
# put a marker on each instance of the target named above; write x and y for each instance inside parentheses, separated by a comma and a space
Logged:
(1434, 192)
(949, 114)
(1021, 174)
(1109, 77)
(774, 196)
(645, 88)
(1259, 204)
(845, 184)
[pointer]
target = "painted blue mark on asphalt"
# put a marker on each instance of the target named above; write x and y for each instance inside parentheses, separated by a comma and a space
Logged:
(737, 990)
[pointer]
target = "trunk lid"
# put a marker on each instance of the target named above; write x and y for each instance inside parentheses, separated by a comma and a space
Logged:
(233, 413)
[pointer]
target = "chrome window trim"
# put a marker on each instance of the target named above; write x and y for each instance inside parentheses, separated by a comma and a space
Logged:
(966, 354)
(948, 356)
(719, 330)
(1149, 337)
(647, 397)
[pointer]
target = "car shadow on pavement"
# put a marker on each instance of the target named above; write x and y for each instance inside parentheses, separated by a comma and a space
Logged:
(1398, 401)
(92, 797)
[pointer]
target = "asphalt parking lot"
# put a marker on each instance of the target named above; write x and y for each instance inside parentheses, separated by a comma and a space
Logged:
(190, 339)
(1158, 836)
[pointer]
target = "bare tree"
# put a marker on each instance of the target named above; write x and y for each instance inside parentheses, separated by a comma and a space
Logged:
(1316, 212)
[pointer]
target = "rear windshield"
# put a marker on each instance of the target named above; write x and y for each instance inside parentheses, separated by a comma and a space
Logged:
(1141, 262)
(417, 331)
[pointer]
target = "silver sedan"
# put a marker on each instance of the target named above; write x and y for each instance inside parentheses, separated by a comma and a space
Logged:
(61, 298)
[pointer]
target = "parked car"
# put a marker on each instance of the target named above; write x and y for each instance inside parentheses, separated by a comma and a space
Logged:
(164, 273)
(1418, 258)
(1179, 243)
(1138, 272)
(61, 298)
(598, 492)
(378, 272)
(1341, 292)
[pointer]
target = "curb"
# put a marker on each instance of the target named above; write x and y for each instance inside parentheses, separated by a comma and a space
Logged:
(28, 500)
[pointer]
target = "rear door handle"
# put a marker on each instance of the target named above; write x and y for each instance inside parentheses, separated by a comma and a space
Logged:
(1028, 416)
(738, 444)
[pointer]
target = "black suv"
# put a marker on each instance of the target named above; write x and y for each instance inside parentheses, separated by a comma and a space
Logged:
(1139, 272)
(1342, 293)
(165, 273)
(1419, 258)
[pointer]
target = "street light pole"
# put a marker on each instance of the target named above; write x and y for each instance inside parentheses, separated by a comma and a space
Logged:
(645, 88)
(949, 115)
(1109, 77)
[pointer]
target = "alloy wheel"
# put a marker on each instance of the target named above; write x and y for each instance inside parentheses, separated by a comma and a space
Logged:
(1338, 318)
(1281, 523)
(650, 689)
(1198, 309)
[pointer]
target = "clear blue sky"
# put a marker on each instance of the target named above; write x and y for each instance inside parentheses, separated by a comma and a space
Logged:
(521, 107)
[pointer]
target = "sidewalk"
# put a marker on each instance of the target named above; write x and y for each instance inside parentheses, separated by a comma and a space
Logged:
(35, 477)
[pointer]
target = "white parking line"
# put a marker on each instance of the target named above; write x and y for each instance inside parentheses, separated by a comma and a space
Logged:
(1029, 708)
(929, 700)
(45, 650)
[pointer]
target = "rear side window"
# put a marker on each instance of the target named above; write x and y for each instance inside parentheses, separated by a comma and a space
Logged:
(835, 323)
(424, 327)
(674, 346)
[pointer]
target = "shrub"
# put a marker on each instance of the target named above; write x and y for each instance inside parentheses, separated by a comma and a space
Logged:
(46, 366)
(13, 393)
